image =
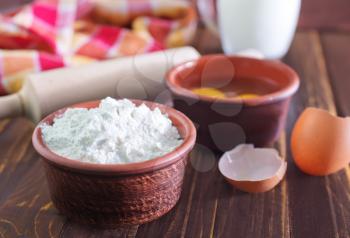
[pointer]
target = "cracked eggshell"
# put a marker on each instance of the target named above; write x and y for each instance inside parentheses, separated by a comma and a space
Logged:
(252, 169)
(320, 142)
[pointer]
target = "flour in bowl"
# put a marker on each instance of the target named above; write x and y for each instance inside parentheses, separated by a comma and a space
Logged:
(117, 132)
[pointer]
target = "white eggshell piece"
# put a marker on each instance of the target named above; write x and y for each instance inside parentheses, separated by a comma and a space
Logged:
(246, 163)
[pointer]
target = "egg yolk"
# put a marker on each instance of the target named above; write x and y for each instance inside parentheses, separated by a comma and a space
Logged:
(209, 92)
(216, 93)
(248, 96)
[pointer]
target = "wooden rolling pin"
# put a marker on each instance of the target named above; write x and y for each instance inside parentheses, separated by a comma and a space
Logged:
(140, 76)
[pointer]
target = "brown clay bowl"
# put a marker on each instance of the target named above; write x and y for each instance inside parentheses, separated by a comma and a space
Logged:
(224, 123)
(110, 195)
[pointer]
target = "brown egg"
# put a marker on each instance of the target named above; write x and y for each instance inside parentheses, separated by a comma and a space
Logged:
(320, 142)
(252, 169)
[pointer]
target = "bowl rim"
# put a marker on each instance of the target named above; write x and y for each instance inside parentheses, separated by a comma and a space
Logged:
(113, 169)
(282, 94)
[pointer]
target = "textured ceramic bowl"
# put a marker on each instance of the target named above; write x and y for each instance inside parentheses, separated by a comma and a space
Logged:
(224, 123)
(109, 195)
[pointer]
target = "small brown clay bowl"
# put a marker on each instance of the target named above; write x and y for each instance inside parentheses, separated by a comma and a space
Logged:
(110, 195)
(224, 123)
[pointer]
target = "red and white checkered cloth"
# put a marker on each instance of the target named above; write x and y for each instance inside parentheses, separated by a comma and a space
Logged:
(55, 33)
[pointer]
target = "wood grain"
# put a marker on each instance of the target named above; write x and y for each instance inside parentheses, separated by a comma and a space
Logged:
(309, 195)
(325, 14)
(336, 48)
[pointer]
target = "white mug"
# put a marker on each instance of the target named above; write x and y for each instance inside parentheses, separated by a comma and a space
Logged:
(264, 25)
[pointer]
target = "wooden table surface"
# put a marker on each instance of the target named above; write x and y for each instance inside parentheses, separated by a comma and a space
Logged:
(301, 206)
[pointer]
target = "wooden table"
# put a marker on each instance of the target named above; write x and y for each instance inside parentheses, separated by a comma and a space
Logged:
(301, 206)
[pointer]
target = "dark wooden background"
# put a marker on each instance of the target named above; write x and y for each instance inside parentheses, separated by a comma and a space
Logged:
(301, 206)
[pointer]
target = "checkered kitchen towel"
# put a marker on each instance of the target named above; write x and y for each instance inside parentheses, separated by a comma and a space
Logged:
(55, 33)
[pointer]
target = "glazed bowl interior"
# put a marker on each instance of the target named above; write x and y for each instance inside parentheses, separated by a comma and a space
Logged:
(271, 80)
(180, 121)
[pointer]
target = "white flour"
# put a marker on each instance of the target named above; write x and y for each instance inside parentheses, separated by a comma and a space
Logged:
(115, 132)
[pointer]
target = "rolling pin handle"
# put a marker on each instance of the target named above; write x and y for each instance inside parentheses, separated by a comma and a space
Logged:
(10, 106)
